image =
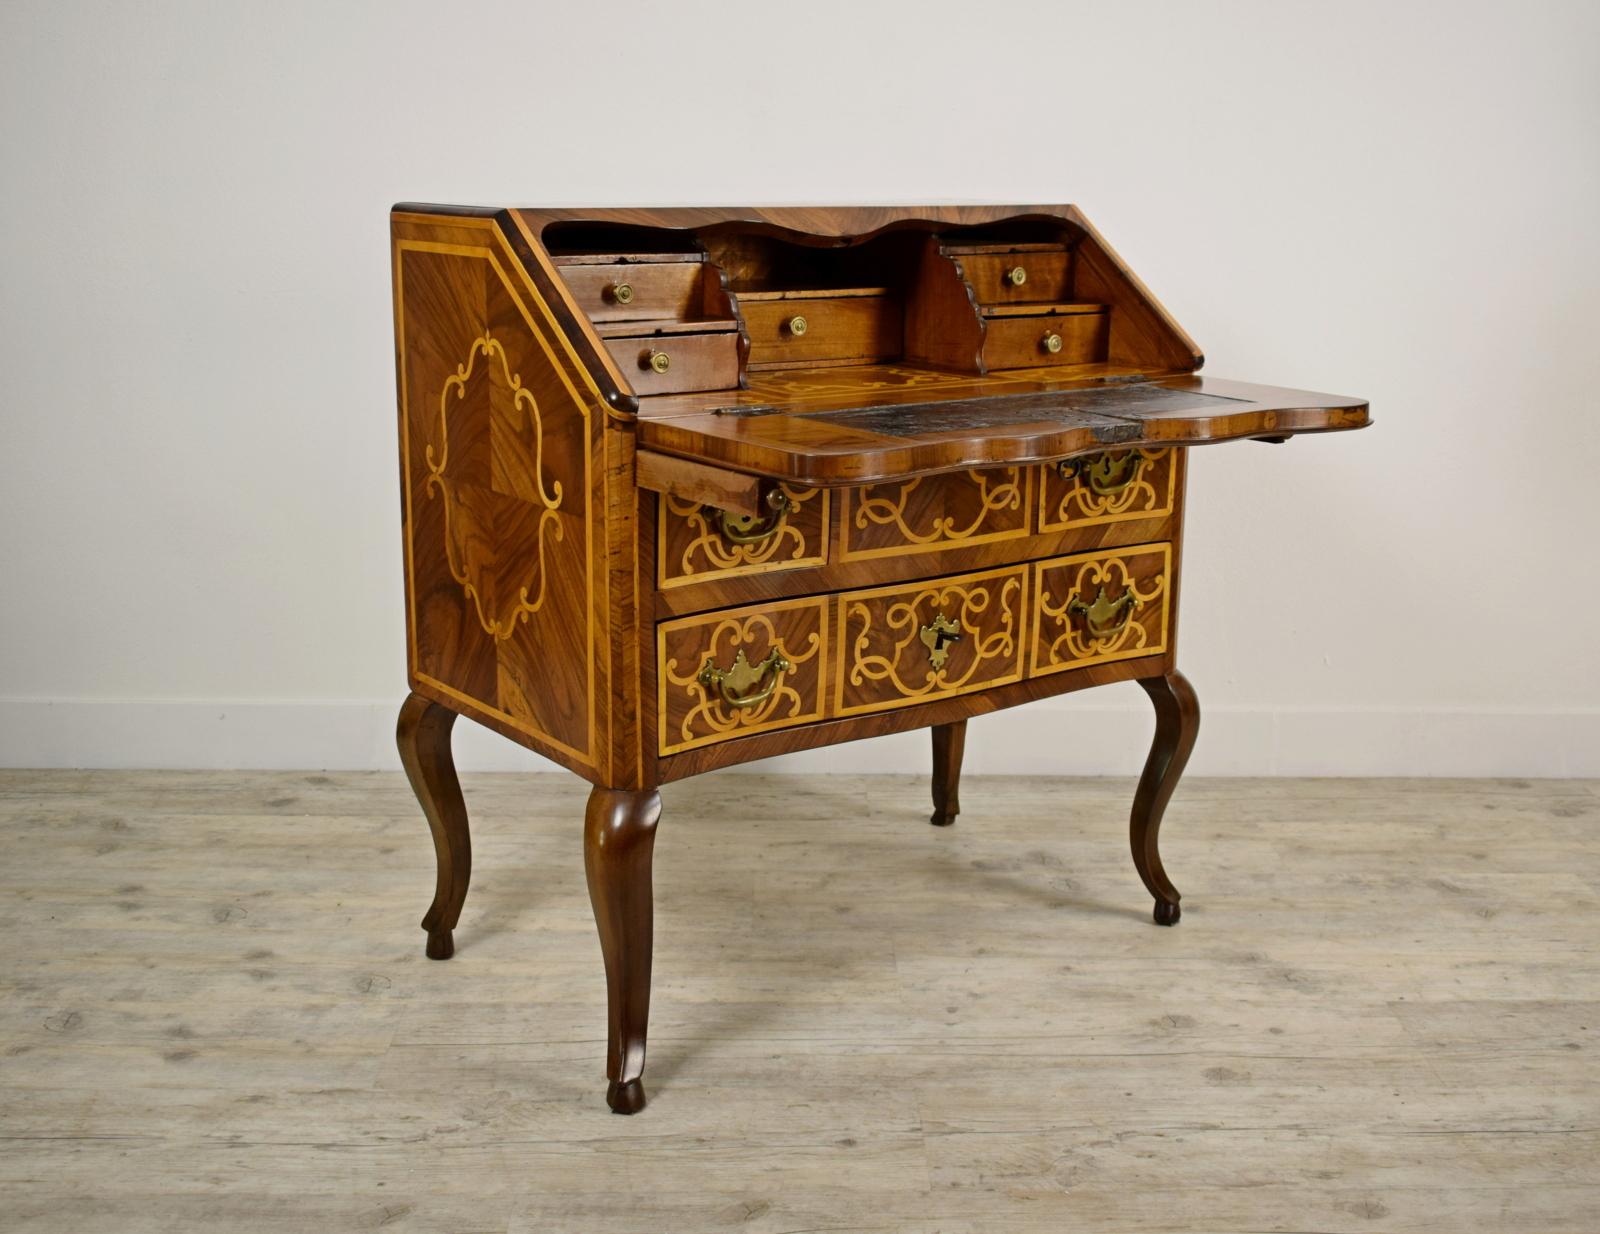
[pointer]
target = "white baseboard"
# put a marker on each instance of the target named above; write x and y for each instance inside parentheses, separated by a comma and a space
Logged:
(1073, 735)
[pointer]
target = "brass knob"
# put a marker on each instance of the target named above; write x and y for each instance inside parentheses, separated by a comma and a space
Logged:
(1016, 276)
(1052, 343)
(622, 293)
(797, 325)
(660, 361)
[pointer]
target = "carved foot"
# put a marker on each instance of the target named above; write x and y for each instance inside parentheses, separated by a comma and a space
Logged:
(423, 735)
(619, 838)
(949, 742)
(1177, 725)
(625, 1098)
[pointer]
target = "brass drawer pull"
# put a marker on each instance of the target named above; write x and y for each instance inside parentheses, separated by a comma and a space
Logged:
(1106, 475)
(1051, 343)
(755, 528)
(660, 361)
(622, 293)
(741, 683)
(937, 637)
(1016, 276)
(797, 325)
(1105, 618)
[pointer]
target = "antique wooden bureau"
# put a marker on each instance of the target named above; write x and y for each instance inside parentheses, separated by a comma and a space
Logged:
(687, 487)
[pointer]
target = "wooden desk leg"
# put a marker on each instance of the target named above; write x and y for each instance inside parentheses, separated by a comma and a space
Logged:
(619, 837)
(948, 743)
(423, 735)
(1177, 724)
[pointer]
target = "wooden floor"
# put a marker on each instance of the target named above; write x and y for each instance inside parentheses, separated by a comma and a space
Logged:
(1381, 1011)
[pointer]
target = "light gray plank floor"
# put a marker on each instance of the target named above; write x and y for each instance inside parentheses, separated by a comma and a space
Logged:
(1380, 1012)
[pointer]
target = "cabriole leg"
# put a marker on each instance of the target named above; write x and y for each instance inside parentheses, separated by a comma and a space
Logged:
(619, 838)
(423, 736)
(948, 742)
(1177, 723)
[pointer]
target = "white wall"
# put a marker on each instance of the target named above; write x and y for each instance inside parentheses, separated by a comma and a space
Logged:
(199, 512)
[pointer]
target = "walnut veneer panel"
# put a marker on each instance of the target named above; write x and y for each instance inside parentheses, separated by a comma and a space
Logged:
(499, 430)
(928, 513)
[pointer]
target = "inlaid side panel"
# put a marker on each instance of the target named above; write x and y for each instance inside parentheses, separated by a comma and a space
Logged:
(1093, 607)
(740, 671)
(935, 512)
(919, 642)
(1091, 489)
(698, 542)
(499, 428)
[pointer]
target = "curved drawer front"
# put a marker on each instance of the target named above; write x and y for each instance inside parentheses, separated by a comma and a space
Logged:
(740, 671)
(936, 512)
(1093, 607)
(1106, 488)
(697, 542)
(917, 642)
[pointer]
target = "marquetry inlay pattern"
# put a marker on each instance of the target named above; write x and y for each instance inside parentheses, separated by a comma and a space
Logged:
(694, 712)
(935, 512)
(1079, 500)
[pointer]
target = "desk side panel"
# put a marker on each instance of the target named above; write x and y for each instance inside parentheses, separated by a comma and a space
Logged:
(502, 484)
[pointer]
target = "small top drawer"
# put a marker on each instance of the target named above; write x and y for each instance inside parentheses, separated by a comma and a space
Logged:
(930, 513)
(696, 542)
(1015, 274)
(643, 289)
(1108, 487)
(858, 325)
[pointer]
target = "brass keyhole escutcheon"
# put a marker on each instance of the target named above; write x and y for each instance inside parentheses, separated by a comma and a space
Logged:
(622, 293)
(1052, 343)
(660, 361)
(1016, 276)
(797, 325)
(937, 636)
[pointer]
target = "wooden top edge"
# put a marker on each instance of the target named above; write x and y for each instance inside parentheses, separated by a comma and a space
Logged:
(815, 220)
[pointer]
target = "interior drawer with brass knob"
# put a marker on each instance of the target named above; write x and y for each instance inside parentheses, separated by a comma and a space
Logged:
(740, 671)
(636, 286)
(1092, 607)
(840, 326)
(917, 642)
(696, 542)
(674, 357)
(1014, 273)
(1108, 487)
(1021, 336)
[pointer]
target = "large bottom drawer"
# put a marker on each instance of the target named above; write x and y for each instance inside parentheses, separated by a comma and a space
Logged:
(737, 672)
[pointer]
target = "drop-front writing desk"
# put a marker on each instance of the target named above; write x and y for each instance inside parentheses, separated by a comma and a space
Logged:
(688, 487)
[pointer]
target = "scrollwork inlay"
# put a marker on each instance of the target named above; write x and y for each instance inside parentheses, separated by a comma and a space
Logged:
(456, 554)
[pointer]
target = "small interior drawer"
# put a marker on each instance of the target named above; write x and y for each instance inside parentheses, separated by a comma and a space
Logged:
(1015, 337)
(916, 642)
(1093, 607)
(638, 290)
(1023, 274)
(739, 671)
(857, 325)
(676, 359)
